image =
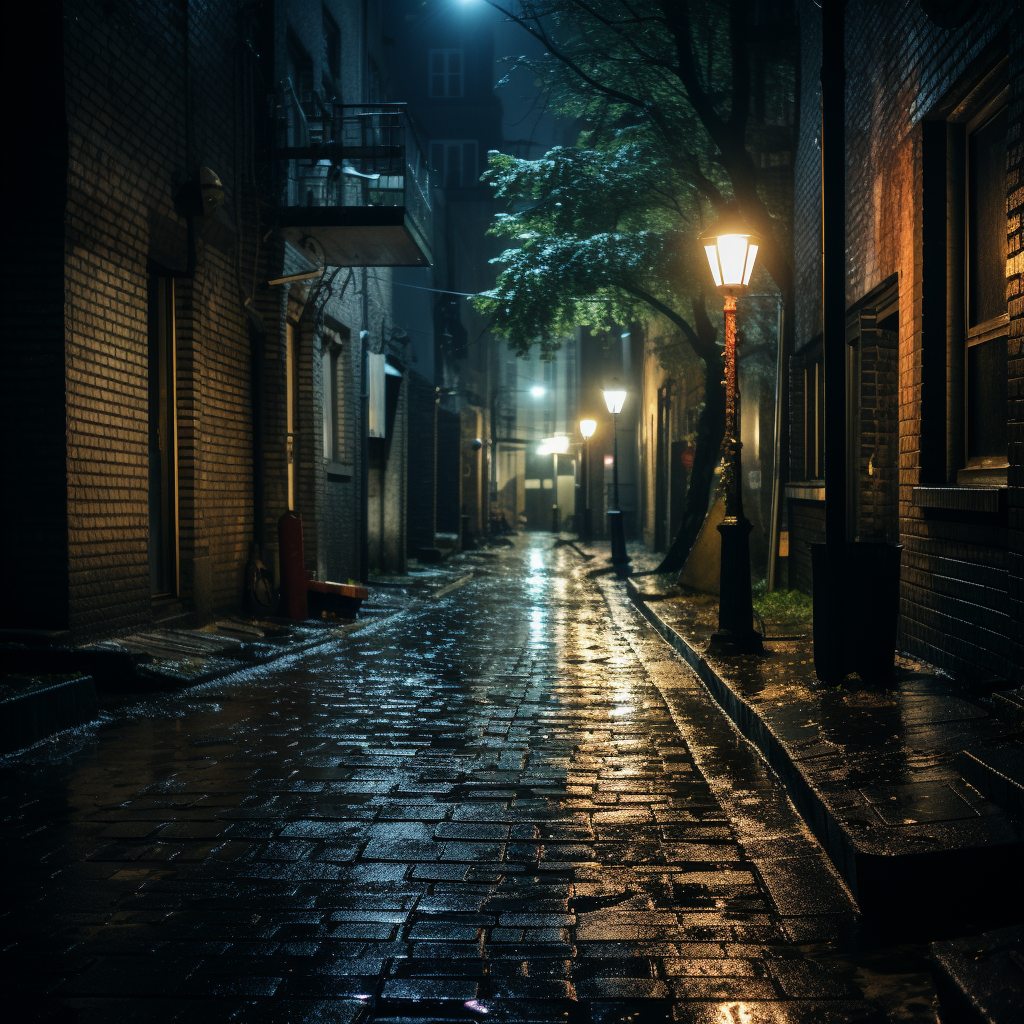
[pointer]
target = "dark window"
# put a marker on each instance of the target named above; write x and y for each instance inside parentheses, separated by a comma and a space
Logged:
(987, 322)
(332, 45)
(986, 227)
(455, 162)
(986, 400)
(446, 74)
(300, 70)
(814, 421)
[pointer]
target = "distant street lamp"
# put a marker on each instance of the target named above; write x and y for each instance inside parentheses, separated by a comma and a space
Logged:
(614, 398)
(731, 250)
(587, 429)
(554, 446)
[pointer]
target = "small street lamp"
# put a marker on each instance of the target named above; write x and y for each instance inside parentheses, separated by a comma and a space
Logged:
(731, 250)
(554, 446)
(587, 429)
(614, 398)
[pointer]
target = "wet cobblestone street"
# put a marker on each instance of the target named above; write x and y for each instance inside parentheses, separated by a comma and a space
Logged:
(513, 803)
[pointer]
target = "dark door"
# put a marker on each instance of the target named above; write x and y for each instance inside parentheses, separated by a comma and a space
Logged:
(163, 442)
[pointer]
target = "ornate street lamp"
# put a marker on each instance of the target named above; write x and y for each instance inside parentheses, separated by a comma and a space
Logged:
(587, 429)
(731, 250)
(615, 398)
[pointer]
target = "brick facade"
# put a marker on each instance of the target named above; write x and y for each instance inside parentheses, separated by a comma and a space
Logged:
(910, 86)
(150, 93)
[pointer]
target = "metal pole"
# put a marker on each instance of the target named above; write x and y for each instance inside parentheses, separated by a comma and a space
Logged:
(588, 535)
(735, 598)
(615, 461)
(554, 492)
(829, 657)
(775, 521)
(616, 528)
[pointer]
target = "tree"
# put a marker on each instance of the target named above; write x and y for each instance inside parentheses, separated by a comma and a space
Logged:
(607, 228)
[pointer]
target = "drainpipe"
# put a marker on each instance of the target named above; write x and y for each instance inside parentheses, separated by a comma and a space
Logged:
(773, 536)
(830, 661)
(364, 440)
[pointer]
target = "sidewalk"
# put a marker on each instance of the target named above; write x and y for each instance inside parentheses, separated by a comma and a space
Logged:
(891, 781)
(49, 689)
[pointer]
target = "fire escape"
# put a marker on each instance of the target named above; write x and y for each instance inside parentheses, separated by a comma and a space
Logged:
(353, 187)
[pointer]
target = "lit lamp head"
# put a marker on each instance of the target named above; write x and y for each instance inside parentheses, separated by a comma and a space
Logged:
(614, 397)
(587, 428)
(731, 249)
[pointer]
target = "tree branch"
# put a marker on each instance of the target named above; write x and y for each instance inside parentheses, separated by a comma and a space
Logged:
(701, 345)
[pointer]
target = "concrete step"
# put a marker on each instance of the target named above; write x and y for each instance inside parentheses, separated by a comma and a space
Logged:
(874, 771)
(32, 708)
(980, 980)
(997, 773)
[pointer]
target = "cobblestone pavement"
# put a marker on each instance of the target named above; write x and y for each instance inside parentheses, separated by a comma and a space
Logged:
(483, 808)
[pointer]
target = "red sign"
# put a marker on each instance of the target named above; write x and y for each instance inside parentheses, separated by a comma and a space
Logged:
(609, 460)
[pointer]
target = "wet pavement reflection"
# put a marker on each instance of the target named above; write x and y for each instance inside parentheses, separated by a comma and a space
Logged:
(512, 804)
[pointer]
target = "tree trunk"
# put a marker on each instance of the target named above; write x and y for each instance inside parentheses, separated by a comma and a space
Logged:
(710, 431)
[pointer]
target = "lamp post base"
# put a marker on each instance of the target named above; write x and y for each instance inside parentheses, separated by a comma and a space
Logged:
(586, 528)
(617, 531)
(735, 598)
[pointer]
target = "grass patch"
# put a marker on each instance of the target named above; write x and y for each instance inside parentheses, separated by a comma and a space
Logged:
(784, 610)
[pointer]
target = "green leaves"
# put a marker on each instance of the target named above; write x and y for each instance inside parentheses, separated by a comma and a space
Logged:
(593, 227)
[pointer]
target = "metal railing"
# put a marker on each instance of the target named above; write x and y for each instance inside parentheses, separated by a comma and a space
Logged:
(350, 155)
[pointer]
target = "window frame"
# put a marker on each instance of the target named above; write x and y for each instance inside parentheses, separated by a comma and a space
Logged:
(977, 470)
(332, 402)
(463, 146)
(446, 74)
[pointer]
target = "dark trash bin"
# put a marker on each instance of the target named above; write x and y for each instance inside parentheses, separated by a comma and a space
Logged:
(869, 621)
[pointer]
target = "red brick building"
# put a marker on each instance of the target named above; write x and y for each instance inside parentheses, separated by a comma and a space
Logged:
(935, 320)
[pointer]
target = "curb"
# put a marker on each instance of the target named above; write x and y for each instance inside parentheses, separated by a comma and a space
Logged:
(40, 711)
(976, 882)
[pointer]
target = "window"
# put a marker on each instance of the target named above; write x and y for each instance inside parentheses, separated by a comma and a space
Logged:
(455, 162)
(332, 45)
(446, 74)
(300, 69)
(329, 362)
(814, 419)
(987, 320)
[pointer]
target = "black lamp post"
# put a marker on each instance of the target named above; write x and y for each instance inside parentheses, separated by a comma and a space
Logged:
(614, 398)
(587, 429)
(731, 250)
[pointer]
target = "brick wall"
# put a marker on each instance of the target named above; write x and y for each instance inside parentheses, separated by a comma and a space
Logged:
(1015, 308)
(960, 602)
(421, 477)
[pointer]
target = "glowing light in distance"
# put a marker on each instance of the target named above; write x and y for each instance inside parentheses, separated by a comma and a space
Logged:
(553, 446)
(538, 392)
(587, 427)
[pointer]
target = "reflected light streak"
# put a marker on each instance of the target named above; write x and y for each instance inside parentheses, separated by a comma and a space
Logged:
(735, 1013)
